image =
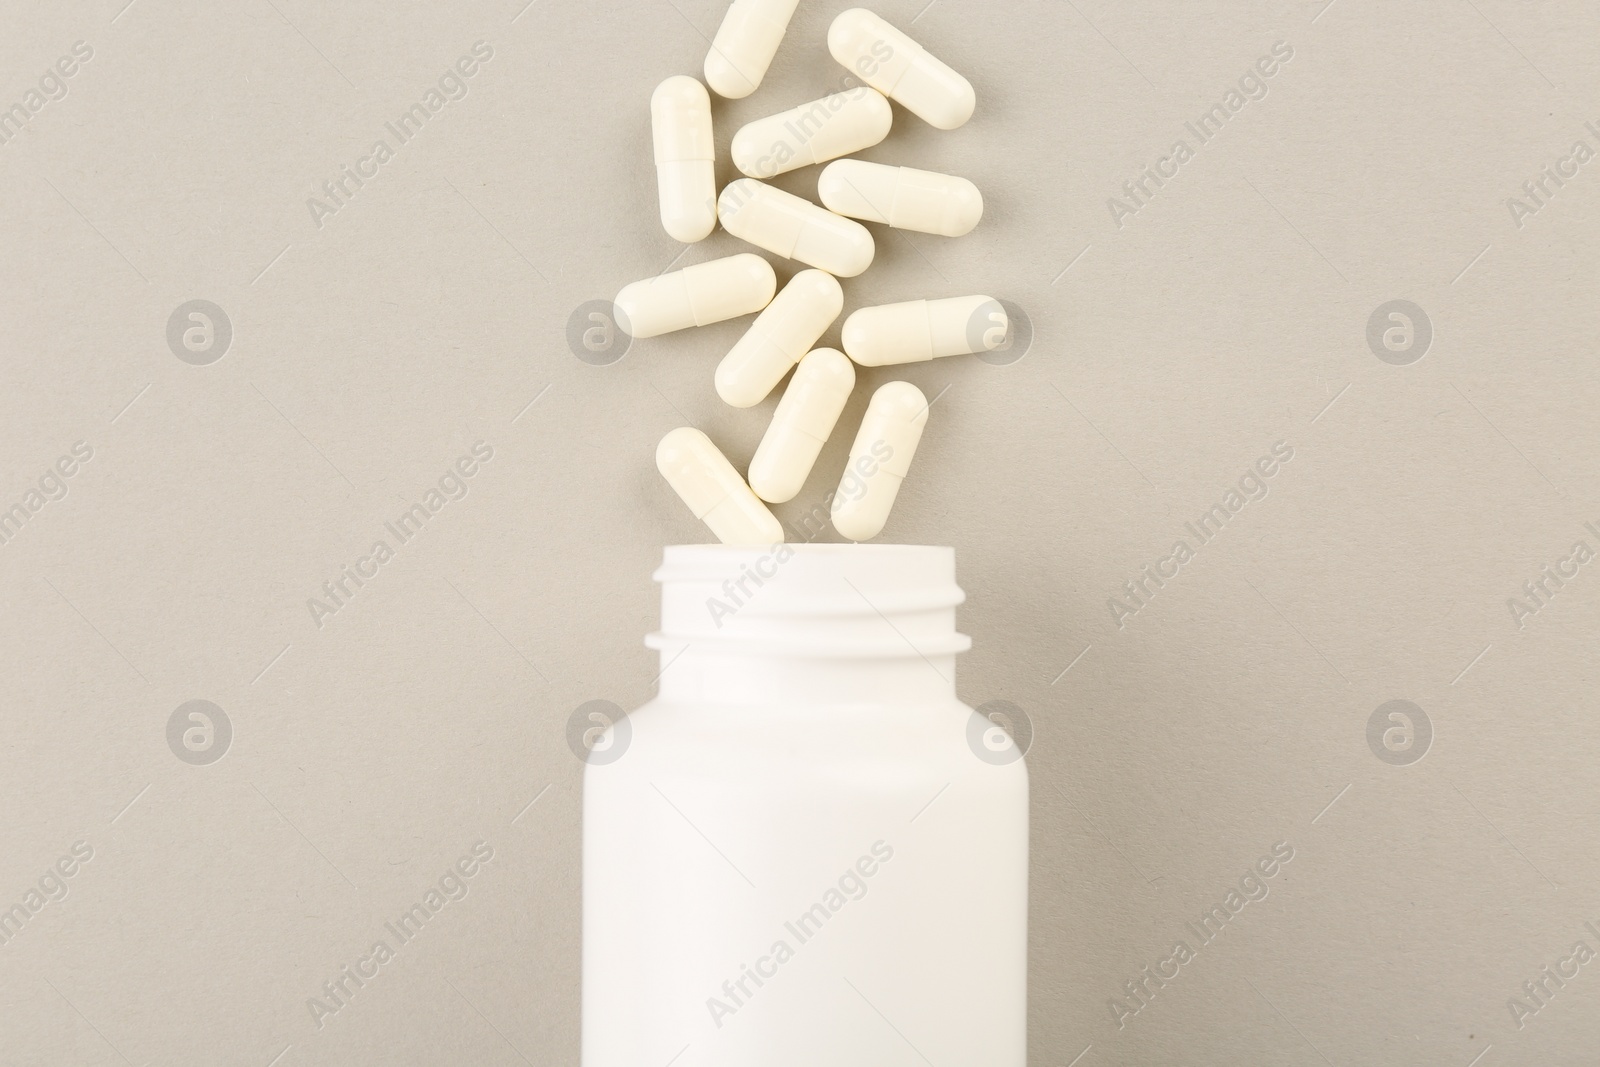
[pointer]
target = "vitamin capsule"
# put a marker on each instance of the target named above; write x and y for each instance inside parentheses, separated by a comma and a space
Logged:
(800, 427)
(680, 124)
(696, 296)
(920, 330)
(704, 479)
(902, 197)
(778, 338)
(900, 69)
(879, 459)
(745, 44)
(781, 222)
(836, 125)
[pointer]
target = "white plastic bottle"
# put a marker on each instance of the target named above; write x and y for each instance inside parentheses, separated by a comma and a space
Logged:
(799, 857)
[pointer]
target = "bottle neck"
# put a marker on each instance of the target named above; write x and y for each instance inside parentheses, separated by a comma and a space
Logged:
(702, 677)
(827, 622)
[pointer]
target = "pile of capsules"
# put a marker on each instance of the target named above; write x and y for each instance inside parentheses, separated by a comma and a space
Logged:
(826, 239)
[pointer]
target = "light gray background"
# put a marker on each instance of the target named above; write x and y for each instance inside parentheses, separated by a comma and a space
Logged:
(1169, 354)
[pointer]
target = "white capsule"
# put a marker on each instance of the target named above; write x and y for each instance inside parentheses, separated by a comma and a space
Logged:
(704, 479)
(920, 330)
(745, 44)
(686, 180)
(696, 296)
(879, 459)
(778, 338)
(783, 223)
(801, 424)
(900, 69)
(836, 125)
(902, 197)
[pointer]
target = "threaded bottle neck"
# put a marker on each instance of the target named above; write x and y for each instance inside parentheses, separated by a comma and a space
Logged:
(742, 618)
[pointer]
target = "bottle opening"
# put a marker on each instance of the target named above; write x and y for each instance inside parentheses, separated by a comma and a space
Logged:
(810, 600)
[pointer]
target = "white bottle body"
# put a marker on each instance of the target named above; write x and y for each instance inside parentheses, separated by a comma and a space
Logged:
(831, 805)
